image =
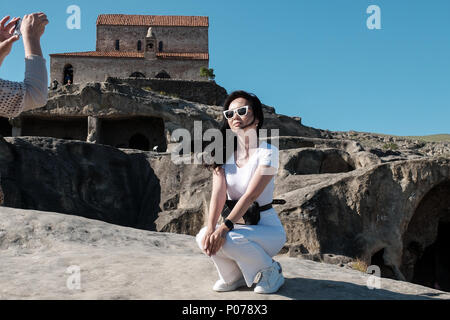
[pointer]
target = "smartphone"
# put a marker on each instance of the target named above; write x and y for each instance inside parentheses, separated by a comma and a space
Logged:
(17, 28)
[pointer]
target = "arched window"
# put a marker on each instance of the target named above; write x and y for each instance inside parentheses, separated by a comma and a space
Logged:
(160, 46)
(68, 74)
(139, 45)
(163, 75)
(137, 75)
(117, 45)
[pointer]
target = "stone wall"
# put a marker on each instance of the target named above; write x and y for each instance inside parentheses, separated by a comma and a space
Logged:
(206, 92)
(174, 39)
(95, 69)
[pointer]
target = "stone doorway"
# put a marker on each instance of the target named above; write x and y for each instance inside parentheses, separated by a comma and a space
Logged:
(5, 127)
(426, 243)
(68, 74)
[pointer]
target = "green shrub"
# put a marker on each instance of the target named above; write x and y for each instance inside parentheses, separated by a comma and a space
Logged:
(390, 146)
(207, 73)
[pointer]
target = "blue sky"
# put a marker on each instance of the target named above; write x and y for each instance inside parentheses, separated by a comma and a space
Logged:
(315, 59)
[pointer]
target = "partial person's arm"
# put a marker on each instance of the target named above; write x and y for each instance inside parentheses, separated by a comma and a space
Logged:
(36, 80)
(16, 97)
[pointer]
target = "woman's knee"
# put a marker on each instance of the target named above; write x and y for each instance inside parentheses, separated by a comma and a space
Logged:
(199, 236)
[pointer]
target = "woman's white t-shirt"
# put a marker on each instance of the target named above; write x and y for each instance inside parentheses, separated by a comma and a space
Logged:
(238, 179)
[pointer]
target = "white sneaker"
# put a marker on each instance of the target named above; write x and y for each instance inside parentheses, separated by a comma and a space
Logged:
(221, 286)
(270, 279)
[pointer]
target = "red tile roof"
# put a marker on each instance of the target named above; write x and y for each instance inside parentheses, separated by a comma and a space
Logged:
(138, 55)
(184, 55)
(150, 20)
(104, 54)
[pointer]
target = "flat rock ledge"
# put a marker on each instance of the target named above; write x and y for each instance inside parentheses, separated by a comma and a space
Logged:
(39, 249)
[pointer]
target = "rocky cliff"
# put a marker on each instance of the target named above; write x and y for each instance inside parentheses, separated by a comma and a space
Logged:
(348, 196)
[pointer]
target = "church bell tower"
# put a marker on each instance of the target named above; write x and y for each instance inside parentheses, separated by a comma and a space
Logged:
(150, 45)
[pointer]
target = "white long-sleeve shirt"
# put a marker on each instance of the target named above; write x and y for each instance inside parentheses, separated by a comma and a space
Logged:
(17, 97)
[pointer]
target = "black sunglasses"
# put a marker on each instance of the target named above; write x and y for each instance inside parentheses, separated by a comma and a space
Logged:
(242, 111)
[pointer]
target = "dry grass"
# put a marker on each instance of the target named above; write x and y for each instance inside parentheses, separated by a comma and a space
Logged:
(429, 138)
(359, 265)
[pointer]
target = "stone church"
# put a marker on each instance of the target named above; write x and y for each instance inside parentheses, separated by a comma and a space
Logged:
(145, 46)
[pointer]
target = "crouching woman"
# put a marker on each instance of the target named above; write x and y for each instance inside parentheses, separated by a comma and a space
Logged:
(242, 253)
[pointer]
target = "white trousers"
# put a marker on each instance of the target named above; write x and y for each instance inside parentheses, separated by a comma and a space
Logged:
(248, 248)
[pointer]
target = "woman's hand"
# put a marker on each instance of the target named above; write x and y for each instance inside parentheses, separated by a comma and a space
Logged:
(216, 240)
(7, 37)
(205, 240)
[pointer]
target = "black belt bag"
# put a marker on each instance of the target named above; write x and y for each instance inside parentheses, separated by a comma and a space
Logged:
(252, 215)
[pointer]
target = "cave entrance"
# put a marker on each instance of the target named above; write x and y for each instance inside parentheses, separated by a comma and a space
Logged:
(140, 142)
(378, 260)
(433, 267)
(141, 133)
(60, 128)
(426, 258)
(313, 161)
(5, 127)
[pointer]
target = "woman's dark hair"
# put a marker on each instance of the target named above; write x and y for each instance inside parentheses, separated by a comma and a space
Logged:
(256, 107)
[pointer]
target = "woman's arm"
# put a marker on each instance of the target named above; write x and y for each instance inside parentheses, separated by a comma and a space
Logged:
(218, 198)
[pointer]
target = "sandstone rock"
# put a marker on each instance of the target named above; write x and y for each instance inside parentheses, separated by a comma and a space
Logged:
(336, 203)
(42, 252)
(119, 100)
(74, 177)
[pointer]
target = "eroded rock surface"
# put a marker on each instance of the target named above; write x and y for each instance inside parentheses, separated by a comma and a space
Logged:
(43, 253)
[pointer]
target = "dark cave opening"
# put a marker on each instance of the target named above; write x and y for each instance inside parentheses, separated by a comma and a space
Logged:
(377, 260)
(433, 267)
(426, 257)
(5, 127)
